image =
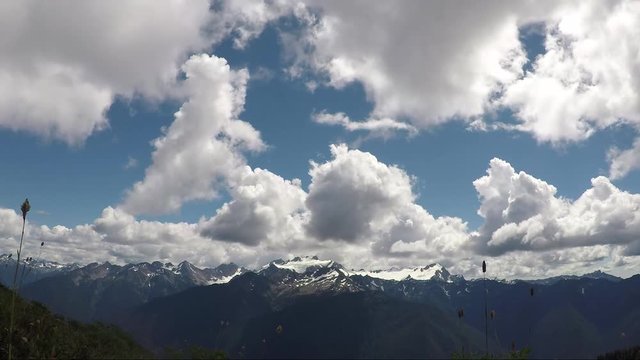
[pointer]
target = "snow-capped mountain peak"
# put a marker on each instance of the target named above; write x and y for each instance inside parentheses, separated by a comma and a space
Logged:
(35, 269)
(303, 264)
(308, 274)
(429, 272)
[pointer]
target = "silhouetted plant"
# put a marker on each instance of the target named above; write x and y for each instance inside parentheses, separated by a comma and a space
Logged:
(492, 315)
(460, 316)
(486, 323)
(531, 293)
(25, 209)
(31, 263)
(22, 272)
(630, 353)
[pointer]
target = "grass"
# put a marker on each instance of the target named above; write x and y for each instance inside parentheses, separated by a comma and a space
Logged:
(29, 330)
(630, 353)
(25, 209)
(40, 334)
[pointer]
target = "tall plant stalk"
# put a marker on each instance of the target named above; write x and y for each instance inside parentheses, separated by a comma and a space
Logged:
(25, 209)
(486, 323)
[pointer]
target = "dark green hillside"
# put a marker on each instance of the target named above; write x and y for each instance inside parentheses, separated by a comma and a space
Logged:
(564, 333)
(211, 317)
(242, 319)
(40, 334)
(360, 325)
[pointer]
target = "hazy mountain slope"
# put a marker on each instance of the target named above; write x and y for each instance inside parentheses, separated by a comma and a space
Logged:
(211, 316)
(328, 304)
(239, 317)
(30, 271)
(356, 325)
(592, 308)
(565, 333)
(98, 291)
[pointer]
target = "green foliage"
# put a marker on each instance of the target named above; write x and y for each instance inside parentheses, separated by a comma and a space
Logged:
(39, 334)
(630, 353)
(520, 354)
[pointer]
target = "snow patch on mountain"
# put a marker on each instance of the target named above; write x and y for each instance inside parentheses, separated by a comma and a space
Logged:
(429, 272)
(226, 279)
(302, 264)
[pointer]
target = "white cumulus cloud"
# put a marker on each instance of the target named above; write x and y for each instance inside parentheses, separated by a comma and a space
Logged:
(65, 62)
(265, 208)
(587, 79)
(524, 213)
(353, 194)
(421, 62)
(203, 144)
(622, 162)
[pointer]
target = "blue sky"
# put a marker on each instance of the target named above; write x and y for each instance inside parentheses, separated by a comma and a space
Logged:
(75, 177)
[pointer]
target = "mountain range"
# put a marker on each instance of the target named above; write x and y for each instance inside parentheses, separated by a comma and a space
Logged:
(97, 291)
(308, 307)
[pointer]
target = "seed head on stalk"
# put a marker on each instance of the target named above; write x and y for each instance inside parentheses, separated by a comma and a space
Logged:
(25, 209)
(486, 324)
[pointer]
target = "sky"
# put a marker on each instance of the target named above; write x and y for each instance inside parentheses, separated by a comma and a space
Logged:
(376, 134)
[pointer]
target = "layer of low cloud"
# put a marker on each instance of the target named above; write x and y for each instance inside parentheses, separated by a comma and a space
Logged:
(380, 127)
(529, 232)
(524, 213)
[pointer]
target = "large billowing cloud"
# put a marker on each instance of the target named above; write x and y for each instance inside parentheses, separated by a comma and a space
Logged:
(357, 199)
(588, 77)
(421, 64)
(64, 63)
(265, 208)
(203, 144)
(524, 213)
(425, 62)
(528, 231)
(354, 194)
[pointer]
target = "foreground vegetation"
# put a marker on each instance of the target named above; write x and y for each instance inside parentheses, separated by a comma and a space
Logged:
(630, 353)
(37, 333)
